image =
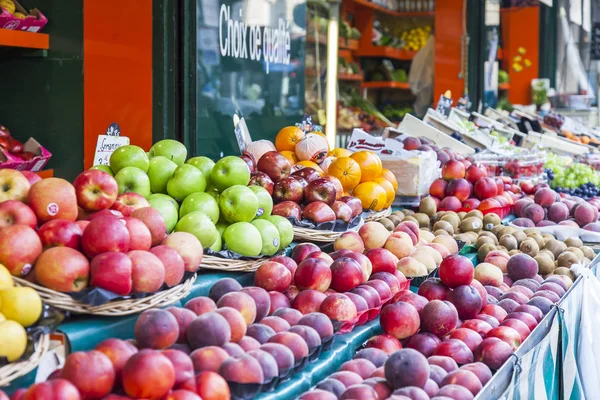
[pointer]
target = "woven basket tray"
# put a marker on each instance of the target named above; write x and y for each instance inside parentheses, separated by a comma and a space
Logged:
(378, 215)
(114, 308)
(226, 264)
(314, 235)
(12, 371)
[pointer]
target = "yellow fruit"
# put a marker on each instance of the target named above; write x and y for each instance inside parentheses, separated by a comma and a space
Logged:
(389, 175)
(21, 304)
(14, 340)
(339, 152)
(390, 193)
(370, 165)
(6, 280)
(371, 195)
(310, 164)
(8, 5)
(2, 318)
(291, 156)
(19, 15)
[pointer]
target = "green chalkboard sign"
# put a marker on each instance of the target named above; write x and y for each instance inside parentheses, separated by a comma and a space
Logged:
(249, 61)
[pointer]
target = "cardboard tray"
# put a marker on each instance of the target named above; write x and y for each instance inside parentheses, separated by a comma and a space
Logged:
(34, 22)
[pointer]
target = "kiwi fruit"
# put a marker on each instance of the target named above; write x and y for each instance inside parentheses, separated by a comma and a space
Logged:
(566, 259)
(496, 230)
(470, 224)
(407, 212)
(426, 235)
(549, 253)
(574, 242)
(441, 232)
(427, 206)
(474, 213)
(565, 271)
(399, 214)
(445, 225)
(545, 264)
(500, 247)
(463, 237)
(474, 236)
(395, 219)
(530, 230)
(530, 247)
(507, 230)
(555, 246)
(509, 242)
(410, 218)
(513, 252)
(491, 220)
(490, 235)
(520, 236)
(483, 240)
(576, 251)
(588, 252)
(389, 225)
(437, 216)
(423, 219)
(452, 218)
(538, 238)
(547, 236)
(461, 215)
(483, 251)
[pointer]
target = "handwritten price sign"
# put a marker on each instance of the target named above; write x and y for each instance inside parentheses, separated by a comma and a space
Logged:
(108, 143)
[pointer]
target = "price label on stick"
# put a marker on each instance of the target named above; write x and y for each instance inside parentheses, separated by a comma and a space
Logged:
(242, 134)
(108, 143)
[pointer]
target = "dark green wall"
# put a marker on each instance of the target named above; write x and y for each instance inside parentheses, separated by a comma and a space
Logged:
(42, 96)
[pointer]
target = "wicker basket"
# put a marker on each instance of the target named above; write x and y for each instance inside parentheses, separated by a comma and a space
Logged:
(379, 215)
(314, 235)
(226, 264)
(12, 371)
(114, 308)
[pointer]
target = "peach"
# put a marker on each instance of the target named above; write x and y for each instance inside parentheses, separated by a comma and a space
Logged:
(469, 337)
(455, 392)
(310, 336)
(294, 342)
(376, 356)
(417, 301)
(380, 386)
(534, 212)
(289, 263)
(437, 373)
(233, 349)
(431, 388)
(276, 323)
(301, 251)
(361, 306)
(445, 362)
(360, 391)
(399, 246)
(463, 378)
(388, 343)
(453, 169)
(517, 297)
(532, 310)
(509, 304)
(236, 322)
(364, 262)
(400, 320)
(212, 386)
(389, 279)
(184, 368)
(459, 188)
(222, 287)
(201, 305)
(467, 301)
(456, 270)
(333, 386)
(545, 197)
(506, 334)
(482, 371)
(278, 300)
(478, 326)
(319, 322)
(184, 317)
(350, 241)
(180, 394)
(493, 352)
(308, 301)
(382, 289)
(406, 230)
(348, 378)
(373, 234)
(433, 289)
(262, 300)
(268, 364)
(521, 266)
(248, 343)
(242, 302)
(370, 295)
(553, 287)
(156, 329)
(313, 273)
(346, 274)
(450, 203)
(210, 329)
(144, 367)
(425, 343)
(406, 367)
(518, 326)
(208, 358)
(260, 332)
(317, 394)
(553, 297)
(118, 352)
(495, 311)
(284, 357)
(188, 247)
(382, 260)
(322, 256)
(291, 315)
(438, 188)
(56, 388)
(338, 307)
(291, 292)
(488, 274)
(527, 318)
(91, 372)
(272, 276)
(242, 369)
(456, 349)
(489, 319)
(439, 318)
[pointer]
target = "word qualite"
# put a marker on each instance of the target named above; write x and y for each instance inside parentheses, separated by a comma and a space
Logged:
(238, 40)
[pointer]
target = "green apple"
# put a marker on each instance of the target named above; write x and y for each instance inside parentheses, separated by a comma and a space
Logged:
(198, 224)
(217, 245)
(129, 156)
(171, 149)
(221, 226)
(200, 201)
(230, 171)
(265, 201)
(186, 180)
(205, 165)
(104, 168)
(167, 207)
(243, 238)
(160, 171)
(269, 235)
(238, 204)
(285, 228)
(132, 179)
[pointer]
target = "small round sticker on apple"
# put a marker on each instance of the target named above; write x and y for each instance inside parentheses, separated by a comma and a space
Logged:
(260, 212)
(26, 268)
(52, 209)
(276, 242)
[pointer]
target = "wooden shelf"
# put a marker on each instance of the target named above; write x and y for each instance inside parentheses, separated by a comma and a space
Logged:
(27, 40)
(348, 44)
(386, 52)
(385, 85)
(385, 10)
(504, 86)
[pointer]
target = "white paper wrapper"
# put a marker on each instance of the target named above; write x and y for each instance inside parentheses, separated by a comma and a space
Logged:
(562, 232)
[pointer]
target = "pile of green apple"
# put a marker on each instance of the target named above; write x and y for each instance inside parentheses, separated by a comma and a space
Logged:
(211, 200)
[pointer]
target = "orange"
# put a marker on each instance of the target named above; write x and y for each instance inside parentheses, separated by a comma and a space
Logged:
(339, 152)
(347, 171)
(371, 195)
(287, 138)
(310, 164)
(390, 193)
(389, 175)
(370, 165)
(290, 155)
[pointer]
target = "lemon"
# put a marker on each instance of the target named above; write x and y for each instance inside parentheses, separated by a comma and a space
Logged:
(6, 280)
(21, 304)
(14, 340)
(19, 15)
(8, 5)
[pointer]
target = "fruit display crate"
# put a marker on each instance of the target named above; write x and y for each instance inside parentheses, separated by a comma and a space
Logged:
(15, 370)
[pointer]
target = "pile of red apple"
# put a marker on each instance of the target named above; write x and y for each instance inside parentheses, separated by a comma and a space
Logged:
(303, 193)
(465, 186)
(545, 207)
(13, 146)
(452, 321)
(119, 248)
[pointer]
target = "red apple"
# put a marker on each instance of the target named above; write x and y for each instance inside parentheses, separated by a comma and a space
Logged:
(339, 189)
(263, 180)
(275, 165)
(14, 212)
(354, 204)
(249, 160)
(139, 234)
(301, 180)
(153, 221)
(60, 232)
(309, 174)
(14, 146)
(53, 198)
(287, 209)
(188, 247)
(126, 203)
(62, 269)
(20, 246)
(342, 211)
(112, 271)
(320, 190)
(288, 189)
(4, 132)
(104, 213)
(32, 177)
(96, 190)
(318, 212)
(173, 263)
(105, 234)
(147, 271)
(485, 188)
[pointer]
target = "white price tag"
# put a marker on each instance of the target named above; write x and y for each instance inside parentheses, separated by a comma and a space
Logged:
(105, 147)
